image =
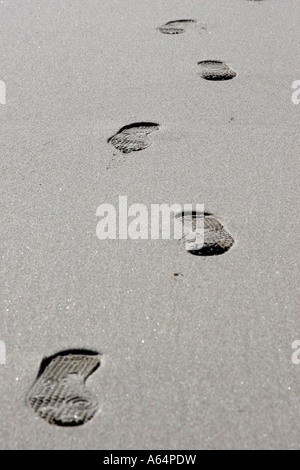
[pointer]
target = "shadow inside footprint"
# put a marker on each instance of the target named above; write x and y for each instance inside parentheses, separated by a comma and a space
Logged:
(216, 70)
(134, 137)
(204, 235)
(59, 395)
(176, 27)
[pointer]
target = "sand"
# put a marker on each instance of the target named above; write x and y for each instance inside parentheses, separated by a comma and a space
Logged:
(198, 361)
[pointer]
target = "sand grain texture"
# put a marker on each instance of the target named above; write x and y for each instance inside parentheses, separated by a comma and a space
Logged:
(198, 360)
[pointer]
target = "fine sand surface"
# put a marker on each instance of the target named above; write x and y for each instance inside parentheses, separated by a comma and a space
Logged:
(198, 361)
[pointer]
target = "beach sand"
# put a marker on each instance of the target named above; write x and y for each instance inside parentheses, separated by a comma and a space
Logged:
(197, 361)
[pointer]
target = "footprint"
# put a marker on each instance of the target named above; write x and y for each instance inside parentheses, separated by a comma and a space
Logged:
(216, 70)
(176, 27)
(59, 395)
(134, 137)
(204, 235)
